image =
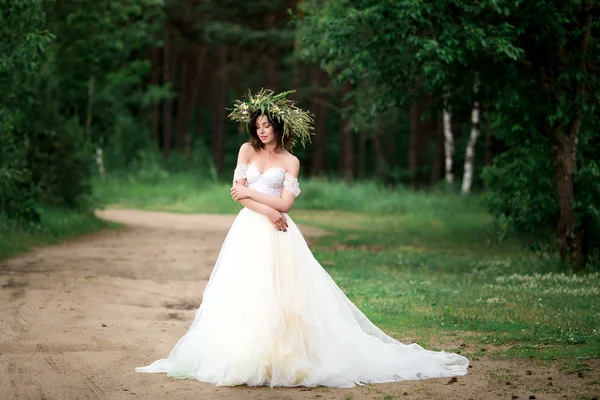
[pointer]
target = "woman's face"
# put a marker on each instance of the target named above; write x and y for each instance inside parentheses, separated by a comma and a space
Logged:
(264, 130)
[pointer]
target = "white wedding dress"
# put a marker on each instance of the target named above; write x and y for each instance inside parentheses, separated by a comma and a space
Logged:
(271, 315)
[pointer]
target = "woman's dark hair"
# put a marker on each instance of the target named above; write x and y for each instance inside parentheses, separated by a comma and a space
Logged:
(277, 125)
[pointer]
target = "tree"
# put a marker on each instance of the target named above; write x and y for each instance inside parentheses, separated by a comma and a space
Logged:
(470, 150)
(536, 60)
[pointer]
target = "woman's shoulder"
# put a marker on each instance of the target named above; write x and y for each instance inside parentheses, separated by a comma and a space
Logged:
(246, 149)
(292, 163)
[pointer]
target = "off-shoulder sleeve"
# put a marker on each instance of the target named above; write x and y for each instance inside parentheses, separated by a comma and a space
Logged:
(291, 185)
(240, 172)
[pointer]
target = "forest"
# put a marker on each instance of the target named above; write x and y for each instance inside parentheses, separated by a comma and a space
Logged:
(492, 100)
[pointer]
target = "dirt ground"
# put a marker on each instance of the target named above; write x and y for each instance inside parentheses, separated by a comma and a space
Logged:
(77, 318)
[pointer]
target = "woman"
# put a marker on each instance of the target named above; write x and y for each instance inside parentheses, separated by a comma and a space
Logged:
(270, 314)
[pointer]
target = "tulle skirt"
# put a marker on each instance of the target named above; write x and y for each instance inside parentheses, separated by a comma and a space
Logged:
(271, 315)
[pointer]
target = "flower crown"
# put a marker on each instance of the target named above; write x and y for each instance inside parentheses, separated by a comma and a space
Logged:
(297, 123)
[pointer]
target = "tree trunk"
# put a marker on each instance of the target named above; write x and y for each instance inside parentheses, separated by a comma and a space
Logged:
(570, 233)
(419, 131)
(184, 98)
(155, 81)
(271, 57)
(438, 159)
(200, 59)
(489, 144)
(380, 156)
(346, 143)
(167, 103)
(570, 238)
(470, 150)
(88, 129)
(219, 117)
(448, 142)
(318, 79)
(362, 144)
(413, 154)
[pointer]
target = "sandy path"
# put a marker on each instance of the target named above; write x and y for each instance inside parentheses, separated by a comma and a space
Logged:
(77, 318)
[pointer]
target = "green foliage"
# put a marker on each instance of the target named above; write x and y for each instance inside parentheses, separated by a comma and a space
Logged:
(23, 44)
(536, 63)
(17, 189)
(406, 48)
(64, 65)
(60, 160)
(522, 182)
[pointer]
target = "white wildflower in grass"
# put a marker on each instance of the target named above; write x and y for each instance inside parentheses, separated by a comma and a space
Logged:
(490, 266)
(491, 300)
(550, 284)
(550, 277)
(583, 291)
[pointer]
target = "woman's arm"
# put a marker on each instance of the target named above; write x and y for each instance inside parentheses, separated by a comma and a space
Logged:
(274, 216)
(242, 164)
(282, 204)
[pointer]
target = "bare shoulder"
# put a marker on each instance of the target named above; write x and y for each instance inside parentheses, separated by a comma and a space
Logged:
(245, 154)
(246, 148)
(292, 164)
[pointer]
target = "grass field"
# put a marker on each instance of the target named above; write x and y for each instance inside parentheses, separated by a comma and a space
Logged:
(431, 266)
(58, 225)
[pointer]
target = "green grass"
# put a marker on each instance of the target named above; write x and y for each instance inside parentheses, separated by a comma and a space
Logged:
(424, 266)
(58, 225)
(447, 280)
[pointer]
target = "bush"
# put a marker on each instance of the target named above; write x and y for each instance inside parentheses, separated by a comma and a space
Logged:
(61, 161)
(17, 190)
(523, 195)
(522, 188)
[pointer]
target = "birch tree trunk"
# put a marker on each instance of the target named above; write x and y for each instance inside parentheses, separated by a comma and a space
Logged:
(448, 141)
(470, 151)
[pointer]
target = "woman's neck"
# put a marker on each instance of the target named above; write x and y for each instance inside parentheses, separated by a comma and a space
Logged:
(271, 148)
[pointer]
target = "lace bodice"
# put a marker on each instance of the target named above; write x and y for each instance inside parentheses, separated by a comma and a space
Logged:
(271, 182)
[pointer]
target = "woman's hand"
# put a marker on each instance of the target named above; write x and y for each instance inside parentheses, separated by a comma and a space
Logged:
(239, 192)
(277, 219)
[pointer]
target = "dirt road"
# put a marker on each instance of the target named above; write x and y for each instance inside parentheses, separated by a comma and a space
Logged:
(77, 318)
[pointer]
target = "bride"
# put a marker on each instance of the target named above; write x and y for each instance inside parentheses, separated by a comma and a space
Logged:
(270, 314)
